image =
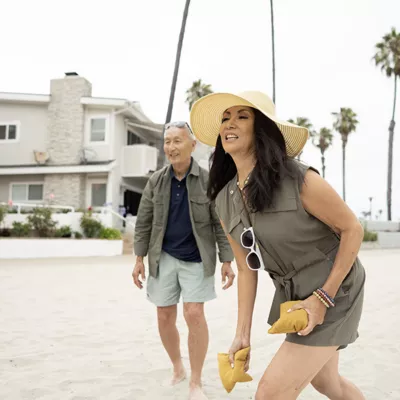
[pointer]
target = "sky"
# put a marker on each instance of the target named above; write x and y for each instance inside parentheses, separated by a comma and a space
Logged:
(127, 48)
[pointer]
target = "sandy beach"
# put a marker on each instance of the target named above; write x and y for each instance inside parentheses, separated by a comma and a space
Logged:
(78, 329)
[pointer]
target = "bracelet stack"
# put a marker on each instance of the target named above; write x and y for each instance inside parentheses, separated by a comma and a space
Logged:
(324, 298)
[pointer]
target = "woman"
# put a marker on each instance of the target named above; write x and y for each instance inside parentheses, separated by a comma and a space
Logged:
(297, 228)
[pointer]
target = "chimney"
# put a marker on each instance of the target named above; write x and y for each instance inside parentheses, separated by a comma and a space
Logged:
(66, 118)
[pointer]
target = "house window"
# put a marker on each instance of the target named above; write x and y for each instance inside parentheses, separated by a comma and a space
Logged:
(98, 130)
(134, 139)
(26, 192)
(99, 194)
(8, 132)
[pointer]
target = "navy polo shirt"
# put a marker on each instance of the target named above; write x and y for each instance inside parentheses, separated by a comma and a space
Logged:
(179, 241)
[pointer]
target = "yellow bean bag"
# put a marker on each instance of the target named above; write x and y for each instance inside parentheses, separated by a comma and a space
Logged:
(230, 376)
(292, 322)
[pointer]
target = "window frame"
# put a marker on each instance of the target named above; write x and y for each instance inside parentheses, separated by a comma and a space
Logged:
(90, 194)
(27, 184)
(106, 118)
(17, 131)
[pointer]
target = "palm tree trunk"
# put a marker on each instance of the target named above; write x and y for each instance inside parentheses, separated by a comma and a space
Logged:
(273, 50)
(323, 164)
(344, 169)
(390, 155)
(161, 155)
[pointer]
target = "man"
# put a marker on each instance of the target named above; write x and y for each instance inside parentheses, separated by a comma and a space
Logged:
(178, 228)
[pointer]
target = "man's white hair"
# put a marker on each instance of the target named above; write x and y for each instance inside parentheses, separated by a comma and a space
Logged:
(180, 125)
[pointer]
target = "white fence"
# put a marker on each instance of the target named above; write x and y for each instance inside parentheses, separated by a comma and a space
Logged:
(381, 226)
(389, 240)
(106, 215)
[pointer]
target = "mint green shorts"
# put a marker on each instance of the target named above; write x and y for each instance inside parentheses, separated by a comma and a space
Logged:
(176, 278)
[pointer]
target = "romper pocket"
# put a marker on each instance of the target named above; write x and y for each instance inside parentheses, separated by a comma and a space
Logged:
(233, 223)
(283, 204)
(313, 270)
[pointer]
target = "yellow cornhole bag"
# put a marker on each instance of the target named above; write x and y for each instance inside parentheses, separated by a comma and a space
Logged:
(230, 376)
(292, 322)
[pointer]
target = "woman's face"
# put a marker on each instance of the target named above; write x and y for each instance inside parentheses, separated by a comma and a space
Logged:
(237, 130)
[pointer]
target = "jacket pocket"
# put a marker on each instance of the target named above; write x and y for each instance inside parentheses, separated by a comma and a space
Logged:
(158, 209)
(200, 208)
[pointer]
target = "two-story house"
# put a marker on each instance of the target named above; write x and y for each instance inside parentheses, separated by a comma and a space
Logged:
(69, 148)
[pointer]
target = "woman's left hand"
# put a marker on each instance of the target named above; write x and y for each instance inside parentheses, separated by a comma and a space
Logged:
(316, 311)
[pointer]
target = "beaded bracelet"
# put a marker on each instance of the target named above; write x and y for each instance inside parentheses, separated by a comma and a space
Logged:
(326, 296)
(321, 299)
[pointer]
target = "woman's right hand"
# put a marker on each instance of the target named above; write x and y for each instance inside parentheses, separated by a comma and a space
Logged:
(239, 343)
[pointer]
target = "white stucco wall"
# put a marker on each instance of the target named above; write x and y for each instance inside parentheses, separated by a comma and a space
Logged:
(53, 248)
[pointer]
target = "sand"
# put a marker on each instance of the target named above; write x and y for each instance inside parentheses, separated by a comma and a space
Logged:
(78, 329)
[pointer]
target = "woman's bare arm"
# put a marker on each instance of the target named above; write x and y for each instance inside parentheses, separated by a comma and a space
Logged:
(322, 201)
(247, 290)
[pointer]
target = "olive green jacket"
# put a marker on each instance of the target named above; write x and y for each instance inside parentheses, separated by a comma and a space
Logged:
(152, 218)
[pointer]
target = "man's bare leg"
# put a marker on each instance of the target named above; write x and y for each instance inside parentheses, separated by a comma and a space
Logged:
(170, 339)
(198, 345)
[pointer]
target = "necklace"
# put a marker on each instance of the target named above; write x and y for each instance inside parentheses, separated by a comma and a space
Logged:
(246, 181)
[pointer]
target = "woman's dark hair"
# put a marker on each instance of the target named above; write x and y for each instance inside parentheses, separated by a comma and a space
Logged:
(272, 165)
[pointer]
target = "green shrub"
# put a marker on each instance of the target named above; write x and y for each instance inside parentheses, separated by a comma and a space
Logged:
(110, 234)
(63, 232)
(42, 222)
(370, 236)
(5, 232)
(91, 227)
(78, 235)
(3, 213)
(19, 229)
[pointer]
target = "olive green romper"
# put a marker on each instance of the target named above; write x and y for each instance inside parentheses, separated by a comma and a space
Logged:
(298, 251)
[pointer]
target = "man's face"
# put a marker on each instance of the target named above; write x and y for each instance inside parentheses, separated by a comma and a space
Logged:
(178, 145)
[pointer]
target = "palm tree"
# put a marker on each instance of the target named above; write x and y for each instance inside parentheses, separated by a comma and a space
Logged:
(161, 155)
(345, 123)
(273, 50)
(323, 140)
(388, 58)
(305, 123)
(196, 92)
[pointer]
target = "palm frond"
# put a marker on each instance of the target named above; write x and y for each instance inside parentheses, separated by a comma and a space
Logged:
(387, 56)
(197, 91)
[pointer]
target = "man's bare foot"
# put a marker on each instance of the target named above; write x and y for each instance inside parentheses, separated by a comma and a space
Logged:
(178, 376)
(196, 393)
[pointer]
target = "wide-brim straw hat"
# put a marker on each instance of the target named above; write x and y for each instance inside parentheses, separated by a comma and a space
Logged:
(206, 117)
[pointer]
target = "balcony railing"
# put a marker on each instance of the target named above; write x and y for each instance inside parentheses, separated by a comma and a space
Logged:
(138, 160)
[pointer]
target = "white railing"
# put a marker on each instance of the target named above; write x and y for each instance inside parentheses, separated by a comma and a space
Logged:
(138, 160)
(105, 210)
(18, 206)
(72, 218)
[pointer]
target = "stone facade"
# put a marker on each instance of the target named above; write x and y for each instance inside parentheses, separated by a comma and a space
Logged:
(66, 119)
(67, 189)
